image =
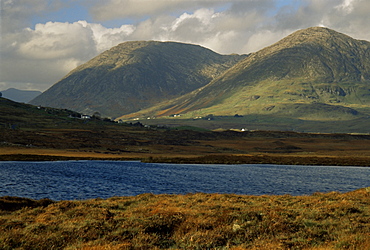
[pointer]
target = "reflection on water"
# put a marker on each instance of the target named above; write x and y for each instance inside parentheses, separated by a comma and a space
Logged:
(68, 180)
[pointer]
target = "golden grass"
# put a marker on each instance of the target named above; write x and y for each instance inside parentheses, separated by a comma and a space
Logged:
(192, 221)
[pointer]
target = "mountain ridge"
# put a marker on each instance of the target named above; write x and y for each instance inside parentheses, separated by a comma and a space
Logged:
(134, 75)
(315, 74)
(19, 95)
(314, 65)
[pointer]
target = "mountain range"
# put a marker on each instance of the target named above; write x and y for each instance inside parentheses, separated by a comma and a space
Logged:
(314, 74)
(18, 95)
(136, 75)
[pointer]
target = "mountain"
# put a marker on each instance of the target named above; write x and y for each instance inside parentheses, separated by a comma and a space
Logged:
(20, 95)
(313, 74)
(136, 75)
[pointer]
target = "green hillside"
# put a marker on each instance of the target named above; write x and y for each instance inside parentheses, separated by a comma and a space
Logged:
(135, 75)
(14, 115)
(315, 74)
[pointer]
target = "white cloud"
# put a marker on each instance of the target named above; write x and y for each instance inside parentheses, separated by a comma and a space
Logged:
(193, 27)
(79, 40)
(39, 56)
(263, 39)
(219, 31)
(203, 16)
(106, 38)
(346, 6)
(46, 53)
(55, 40)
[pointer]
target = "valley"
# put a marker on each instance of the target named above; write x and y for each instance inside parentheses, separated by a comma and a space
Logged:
(302, 100)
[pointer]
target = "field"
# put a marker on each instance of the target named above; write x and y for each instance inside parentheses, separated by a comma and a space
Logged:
(269, 123)
(132, 142)
(191, 221)
(39, 133)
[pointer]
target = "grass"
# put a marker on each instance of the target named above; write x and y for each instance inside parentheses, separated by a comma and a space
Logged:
(274, 122)
(123, 142)
(192, 221)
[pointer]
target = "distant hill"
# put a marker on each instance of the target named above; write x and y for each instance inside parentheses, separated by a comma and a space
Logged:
(136, 75)
(312, 74)
(18, 95)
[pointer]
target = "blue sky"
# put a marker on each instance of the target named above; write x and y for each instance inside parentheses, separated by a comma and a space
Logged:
(73, 12)
(42, 40)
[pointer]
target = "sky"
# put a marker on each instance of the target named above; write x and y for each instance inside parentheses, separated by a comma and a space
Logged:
(42, 40)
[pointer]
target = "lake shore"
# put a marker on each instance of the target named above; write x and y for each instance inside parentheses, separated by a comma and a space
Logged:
(266, 159)
(207, 159)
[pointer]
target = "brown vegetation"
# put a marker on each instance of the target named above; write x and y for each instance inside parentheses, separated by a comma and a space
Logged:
(264, 159)
(191, 221)
(122, 142)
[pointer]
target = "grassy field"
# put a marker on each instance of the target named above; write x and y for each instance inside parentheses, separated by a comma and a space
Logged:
(116, 142)
(269, 122)
(191, 221)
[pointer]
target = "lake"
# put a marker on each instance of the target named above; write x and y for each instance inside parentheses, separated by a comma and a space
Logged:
(75, 180)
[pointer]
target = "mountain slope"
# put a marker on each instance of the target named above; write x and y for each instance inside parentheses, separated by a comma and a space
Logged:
(15, 115)
(135, 75)
(315, 73)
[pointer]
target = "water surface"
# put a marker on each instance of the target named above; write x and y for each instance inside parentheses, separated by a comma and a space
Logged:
(69, 180)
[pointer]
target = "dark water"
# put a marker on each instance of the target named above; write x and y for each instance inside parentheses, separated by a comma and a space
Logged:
(71, 180)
